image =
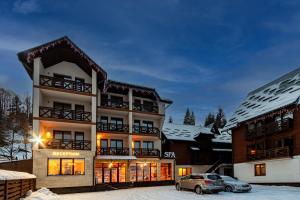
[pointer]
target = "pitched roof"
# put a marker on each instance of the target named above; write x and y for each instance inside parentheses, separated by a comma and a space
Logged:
(224, 137)
(277, 94)
(183, 132)
(138, 88)
(68, 49)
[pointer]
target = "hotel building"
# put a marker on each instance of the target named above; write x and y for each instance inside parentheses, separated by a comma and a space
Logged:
(90, 130)
(266, 133)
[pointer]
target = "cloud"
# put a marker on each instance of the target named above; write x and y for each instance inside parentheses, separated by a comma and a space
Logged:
(26, 6)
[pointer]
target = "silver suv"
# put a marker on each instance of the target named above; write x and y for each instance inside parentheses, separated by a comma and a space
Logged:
(201, 183)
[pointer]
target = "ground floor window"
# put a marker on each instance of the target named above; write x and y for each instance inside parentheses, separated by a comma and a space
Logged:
(143, 172)
(166, 171)
(66, 166)
(110, 172)
(184, 171)
(260, 169)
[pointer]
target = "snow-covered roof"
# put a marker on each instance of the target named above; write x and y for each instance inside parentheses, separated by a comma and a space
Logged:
(183, 132)
(224, 137)
(13, 175)
(279, 93)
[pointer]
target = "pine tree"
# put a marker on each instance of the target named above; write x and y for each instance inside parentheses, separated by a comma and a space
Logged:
(220, 118)
(193, 120)
(187, 117)
(210, 119)
(170, 119)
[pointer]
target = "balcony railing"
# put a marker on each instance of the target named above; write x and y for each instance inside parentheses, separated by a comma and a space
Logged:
(112, 127)
(269, 153)
(142, 152)
(146, 130)
(113, 151)
(115, 104)
(67, 144)
(270, 128)
(61, 83)
(145, 108)
(55, 113)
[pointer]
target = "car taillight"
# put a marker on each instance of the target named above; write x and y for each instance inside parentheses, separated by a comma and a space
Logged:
(208, 182)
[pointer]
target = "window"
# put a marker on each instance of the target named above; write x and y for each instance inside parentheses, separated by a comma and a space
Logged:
(110, 172)
(148, 145)
(116, 124)
(148, 124)
(136, 126)
(184, 171)
(260, 169)
(166, 171)
(143, 172)
(53, 167)
(118, 144)
(66, 166)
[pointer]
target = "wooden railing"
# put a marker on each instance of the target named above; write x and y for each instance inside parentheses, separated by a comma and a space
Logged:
(112, 127)
(16, 189)
(269, 153)
(113, 151)
(115, 104)
(145, 108)
(146, 130)
(270, 128)
(67, 144)
(143, 152)
(48, 112)
(65, 84)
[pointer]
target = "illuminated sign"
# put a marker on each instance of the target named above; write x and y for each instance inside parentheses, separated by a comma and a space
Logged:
(169, 155)
(67, 153)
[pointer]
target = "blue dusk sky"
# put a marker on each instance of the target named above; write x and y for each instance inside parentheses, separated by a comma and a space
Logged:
(201, 54)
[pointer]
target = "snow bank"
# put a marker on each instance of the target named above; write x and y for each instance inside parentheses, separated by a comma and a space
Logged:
(43, 194)
(12, 175)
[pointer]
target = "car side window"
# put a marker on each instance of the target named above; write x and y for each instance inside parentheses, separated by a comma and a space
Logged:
(197, 177)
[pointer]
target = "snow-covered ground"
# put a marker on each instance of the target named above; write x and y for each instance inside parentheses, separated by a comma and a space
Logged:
(169, 193)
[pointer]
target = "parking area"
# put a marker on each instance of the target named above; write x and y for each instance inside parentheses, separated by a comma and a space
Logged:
(170, 193)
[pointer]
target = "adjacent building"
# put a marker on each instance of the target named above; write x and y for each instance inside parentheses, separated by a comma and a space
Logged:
(197, 149)
(266, 133)
(90, 130)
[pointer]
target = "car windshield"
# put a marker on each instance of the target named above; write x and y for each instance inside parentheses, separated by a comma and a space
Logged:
(228, 178)
(213, 177)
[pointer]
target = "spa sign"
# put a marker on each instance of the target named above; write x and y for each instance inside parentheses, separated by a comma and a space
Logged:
(169, 155)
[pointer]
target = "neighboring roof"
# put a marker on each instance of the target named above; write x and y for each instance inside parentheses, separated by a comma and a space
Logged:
(137, 87)
(27, 56)
(183, 132)
(277, 94)
(224, 137)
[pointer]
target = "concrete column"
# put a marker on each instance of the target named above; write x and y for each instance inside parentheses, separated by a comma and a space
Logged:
(93, 138)
(94, 111)
(130, 121)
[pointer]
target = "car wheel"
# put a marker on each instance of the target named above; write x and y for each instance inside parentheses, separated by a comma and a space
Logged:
(228, 189)
(198, 190)
(178, 188)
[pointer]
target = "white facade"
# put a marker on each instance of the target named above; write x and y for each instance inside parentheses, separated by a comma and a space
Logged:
(286, 170)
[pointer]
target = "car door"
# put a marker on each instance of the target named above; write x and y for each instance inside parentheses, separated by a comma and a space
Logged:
(184, 182)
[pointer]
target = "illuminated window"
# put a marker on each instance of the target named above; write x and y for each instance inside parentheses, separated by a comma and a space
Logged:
(65, 166)
(260, 169)
(143, 172)
(53, 167)
(166, 171)
(78, 166)
(184, 171)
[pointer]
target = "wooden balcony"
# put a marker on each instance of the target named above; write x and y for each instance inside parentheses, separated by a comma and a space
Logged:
(269, 129)
(151, 131)
(67, 144)
(142, 152)
(273, 153)
(115, 104)
(145, 108)
(55, 113)
(68, 85)
(112, 127)
(113, 151)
